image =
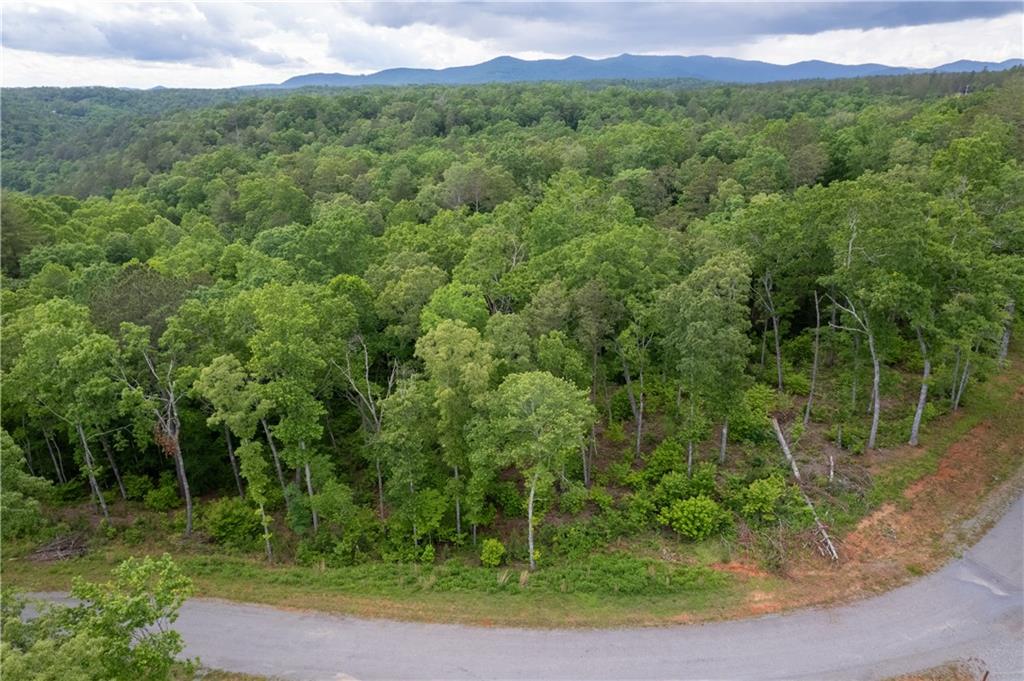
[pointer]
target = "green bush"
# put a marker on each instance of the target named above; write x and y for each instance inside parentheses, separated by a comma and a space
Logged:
(796, 382)
(602, 498)
(428, 555)
(759, 501)
(748, 421)
(676, 485)
(133, 536)
(233, 523)
(703, 479)
(615, 432)
(509, 500)
(640, 508)
(136, 487)
(163, 498)
(695, 518)
(573, 498)
(667, 457)
(492, 552)
(671, 487)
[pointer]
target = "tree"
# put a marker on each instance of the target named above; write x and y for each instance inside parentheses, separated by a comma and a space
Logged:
(65, 367)
(459, 365)
(119, 631)
(705, 323)
(154, 388)
(254, 469)
(533, 421)
(20, 492)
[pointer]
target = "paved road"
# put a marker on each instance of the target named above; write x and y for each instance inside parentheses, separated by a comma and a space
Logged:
(973, 608)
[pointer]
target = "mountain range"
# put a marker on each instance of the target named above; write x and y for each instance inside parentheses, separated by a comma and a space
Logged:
(624, 67)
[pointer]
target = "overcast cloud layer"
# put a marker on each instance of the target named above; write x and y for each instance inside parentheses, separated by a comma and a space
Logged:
(218, 45)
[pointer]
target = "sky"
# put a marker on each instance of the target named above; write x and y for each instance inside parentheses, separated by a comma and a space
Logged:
(224, 44)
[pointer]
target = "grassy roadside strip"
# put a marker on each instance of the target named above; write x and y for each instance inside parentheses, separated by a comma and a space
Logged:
(989, 426)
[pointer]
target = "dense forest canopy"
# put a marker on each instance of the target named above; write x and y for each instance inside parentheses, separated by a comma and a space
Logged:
(392, 319)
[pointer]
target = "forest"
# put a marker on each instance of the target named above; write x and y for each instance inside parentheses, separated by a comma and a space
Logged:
(504, 327)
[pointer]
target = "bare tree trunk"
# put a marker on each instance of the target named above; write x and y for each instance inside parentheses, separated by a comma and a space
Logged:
(856, 372)
(963, 384)
(113, 465)
(875, 391)
(1004, 345)
(764, 341)
(814, 363)
(179, 463)
(57, 468)
(634, 406)
(922, 398)
(529, 520)
(955, 381)
(54, 451)
(277, 461)
(309, 489)
(767, 282)
(234, 462)
(640, 413)
(725, 440)
(87, 456)
(380, 488)
(689, 441)
(826, 546)
(458, 504)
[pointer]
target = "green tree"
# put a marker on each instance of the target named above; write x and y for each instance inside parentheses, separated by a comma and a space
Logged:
(533, 421)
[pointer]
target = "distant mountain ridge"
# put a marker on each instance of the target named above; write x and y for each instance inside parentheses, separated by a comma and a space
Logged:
(624, 67)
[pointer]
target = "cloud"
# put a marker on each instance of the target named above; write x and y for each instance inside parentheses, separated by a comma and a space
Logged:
(157, 32)
(217, 44)
(614, 27)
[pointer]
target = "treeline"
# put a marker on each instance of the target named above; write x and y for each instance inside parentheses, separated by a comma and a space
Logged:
(392, 318)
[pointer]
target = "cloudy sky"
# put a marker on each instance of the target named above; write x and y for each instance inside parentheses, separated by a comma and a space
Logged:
(198, 44)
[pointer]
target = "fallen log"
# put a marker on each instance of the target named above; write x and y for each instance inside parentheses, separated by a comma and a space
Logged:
(826, 546)
(61, 548)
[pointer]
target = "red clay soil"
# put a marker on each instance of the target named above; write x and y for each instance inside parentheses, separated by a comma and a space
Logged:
(898, 542)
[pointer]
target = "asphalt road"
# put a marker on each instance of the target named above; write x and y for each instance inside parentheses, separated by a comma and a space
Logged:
(971, 609)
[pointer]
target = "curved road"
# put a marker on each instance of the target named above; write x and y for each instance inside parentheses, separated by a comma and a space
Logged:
(972, 608)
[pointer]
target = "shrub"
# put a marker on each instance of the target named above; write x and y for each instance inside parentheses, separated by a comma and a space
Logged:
(759, 501)
(233, 523)
(164, 497)
(492, 552)
(640, 508)
(665, 458)
(602, 498)
(509, 499)
(748, 421)
(797, 383)
(428, 555)
(696, 518)
(133, 536)
(703, 479)
(573, 498)
(671, 487)
(615, 432)
(136, 487)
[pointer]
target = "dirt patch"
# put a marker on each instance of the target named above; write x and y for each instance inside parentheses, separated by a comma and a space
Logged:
(938, 514)
(738, 568)
(961, 469)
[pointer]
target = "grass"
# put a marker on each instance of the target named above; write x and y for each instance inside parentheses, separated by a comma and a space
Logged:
(984, 402)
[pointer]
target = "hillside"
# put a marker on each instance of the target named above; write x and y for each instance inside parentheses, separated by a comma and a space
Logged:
(626, 67)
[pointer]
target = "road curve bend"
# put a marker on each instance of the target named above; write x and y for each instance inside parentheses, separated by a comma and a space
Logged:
(972, 608)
